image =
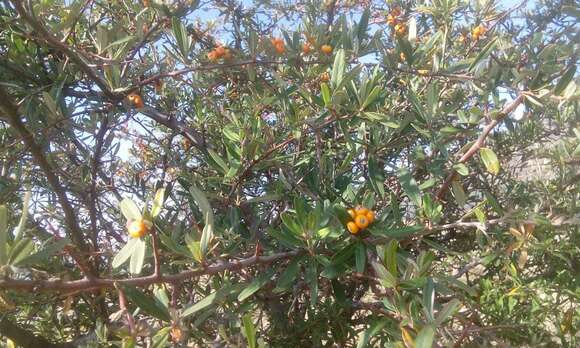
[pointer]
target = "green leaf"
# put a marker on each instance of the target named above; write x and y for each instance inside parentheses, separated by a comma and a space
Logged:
(161, 337)
(218, 160)
(194, 247)
(288, 277)
(24, 216)
(338, 69)
(410, 186)
(483, 53)
(360, 257)
(373, 95)
(311, 278)
(365, 336)
(565, 80)
(461, 169)
(20, 250)
(3, 235)
(386, 278)
(489, 160)
(206, 237)
(376, 176)
(181, 38)
(50, 248)
(325, 94)
(249, 330)
(425, 337)
(429, 298)
(458, 193)
(255, 285)
(202, 204)
(125, 253)
(130, 209)
(147, 303)
(397, 232)
(158, 202)
(447, 311)
(391, 257)
(138, 256)
(206, 302)
(284, 236)
(363, 24)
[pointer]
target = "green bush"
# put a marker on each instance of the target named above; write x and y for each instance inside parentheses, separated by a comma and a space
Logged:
(181, 173)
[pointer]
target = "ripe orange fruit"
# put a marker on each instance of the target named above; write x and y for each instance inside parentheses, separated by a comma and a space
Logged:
(478, 32)
(136, 100)
(306, 48)
(138, 228)
(391, 19)
(212, 56)
(279, 47)
(352, 213)
(370, 216)
(325, 77)
(361, 210)
(352, 227)
(361, 221)
(220, 51)
(326, 49)
(400, 29)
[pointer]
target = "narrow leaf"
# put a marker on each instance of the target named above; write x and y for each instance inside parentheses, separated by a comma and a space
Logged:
(410, 186)
(125, 253)
(137, 257)
(130, 209)
(425, 337)
(249, 330)
(147, 303)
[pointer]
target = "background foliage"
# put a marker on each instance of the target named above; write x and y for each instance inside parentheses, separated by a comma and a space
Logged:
(464, 142)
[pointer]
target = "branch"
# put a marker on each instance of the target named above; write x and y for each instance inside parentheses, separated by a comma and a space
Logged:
(11, 116)
(99, 283)
(509, 108)
(172, 123)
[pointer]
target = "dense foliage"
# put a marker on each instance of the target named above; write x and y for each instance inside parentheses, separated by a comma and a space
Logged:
(181, 173)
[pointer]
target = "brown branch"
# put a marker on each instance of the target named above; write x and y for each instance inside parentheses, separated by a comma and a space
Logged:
(99, 283)
(172, 123)
(509, 108)
(10, 114)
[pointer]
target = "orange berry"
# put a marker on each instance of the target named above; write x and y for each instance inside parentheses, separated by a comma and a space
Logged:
(361, 210)
(306, 48)
(145, 3)
(326, 49)
(212, 56)
(352, 227)
(478, 32)
(402, 56)
(400, 29)
(352, 213)
(220, 51)
(325, 77)
(138, 228)
(391, 19)
(279, 47)
(370, 216)
(136, 100)
(361, 221)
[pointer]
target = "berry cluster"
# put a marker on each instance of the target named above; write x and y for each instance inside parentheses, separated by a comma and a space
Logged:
(219, 52)
(361, 218)
(394, 20)
(135, 100)
(278, 45)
